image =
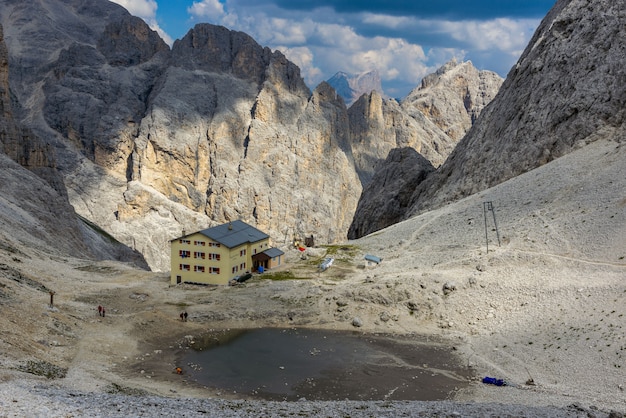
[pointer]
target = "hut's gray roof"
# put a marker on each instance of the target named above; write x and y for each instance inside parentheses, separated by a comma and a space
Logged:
(273, 252)
(234, 234)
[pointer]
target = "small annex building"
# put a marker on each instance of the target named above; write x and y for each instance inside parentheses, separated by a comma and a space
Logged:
(218, 254)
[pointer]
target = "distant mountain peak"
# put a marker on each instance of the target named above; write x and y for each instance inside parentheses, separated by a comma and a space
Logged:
(352, 86)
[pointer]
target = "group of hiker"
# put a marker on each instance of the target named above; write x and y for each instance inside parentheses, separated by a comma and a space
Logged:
(183, 317)
(102, 312)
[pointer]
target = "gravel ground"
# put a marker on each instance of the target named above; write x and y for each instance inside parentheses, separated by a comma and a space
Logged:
(549, 304)
(23, 399)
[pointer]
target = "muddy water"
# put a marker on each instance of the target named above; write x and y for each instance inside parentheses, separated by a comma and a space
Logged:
(289, 364)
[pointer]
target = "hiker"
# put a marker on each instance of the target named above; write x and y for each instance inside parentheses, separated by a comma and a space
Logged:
(103, 311)
(100, 310)
(185, 315)
(182, 316)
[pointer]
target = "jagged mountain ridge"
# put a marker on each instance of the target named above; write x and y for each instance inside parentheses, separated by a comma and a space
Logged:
(150, 141)
(352, 86)
(565, 91)
(562, 258)
(380, 125)
(431, 119)
(443, 108)
(453, 97)
(153, 141)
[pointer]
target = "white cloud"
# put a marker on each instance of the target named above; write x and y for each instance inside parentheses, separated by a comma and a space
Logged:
(394, 58)
(145, 9)
(139, 8)
(446, 54)
(321, 49)
(392, 22)
(285, 31)
(207, 9)
(501, 34)
(324, 41)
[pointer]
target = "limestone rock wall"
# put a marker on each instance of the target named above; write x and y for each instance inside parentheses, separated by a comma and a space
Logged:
(565, 91)
(453, 97)
(431, 120)
(379, 125)
(567, 86)
(386, 198)
(151, 141)
(34, 206)
(18, 142)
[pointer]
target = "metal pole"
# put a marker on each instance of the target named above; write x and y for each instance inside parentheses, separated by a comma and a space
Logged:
(493, 212)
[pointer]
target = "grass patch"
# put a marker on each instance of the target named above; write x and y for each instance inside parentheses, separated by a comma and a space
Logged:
(283, 275)
(314, 261)
(341, 250)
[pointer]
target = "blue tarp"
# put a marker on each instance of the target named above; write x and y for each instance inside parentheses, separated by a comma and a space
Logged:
(493, 381)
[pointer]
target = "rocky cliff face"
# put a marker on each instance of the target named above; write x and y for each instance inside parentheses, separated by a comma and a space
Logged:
(567, 86)
(388, 195)
(565, 91)
(453, 97)
(152, 141)
(431, 120)
(34, 209)
(18, 142)
(379, 125)
(238, 135)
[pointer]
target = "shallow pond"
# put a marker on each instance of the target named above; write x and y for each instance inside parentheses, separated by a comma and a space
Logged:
(289, 364)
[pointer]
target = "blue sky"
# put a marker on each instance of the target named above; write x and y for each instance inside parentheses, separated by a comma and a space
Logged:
(403, 39)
